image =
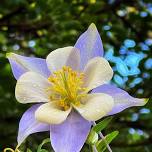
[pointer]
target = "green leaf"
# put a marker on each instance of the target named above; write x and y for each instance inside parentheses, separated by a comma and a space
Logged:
(41, 145)
(102, 124)
(43, 150)
(92, 138)
(29, 150)
(102, 144)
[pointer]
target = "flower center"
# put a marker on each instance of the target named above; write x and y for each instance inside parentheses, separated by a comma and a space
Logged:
(67, 87)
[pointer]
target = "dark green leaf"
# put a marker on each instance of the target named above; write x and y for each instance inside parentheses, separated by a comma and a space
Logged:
(102, 144)
(92, 138)
(102, 124)
(41, 145)
(29, 150)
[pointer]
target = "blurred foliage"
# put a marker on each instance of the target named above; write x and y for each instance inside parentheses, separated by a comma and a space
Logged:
(34, 28)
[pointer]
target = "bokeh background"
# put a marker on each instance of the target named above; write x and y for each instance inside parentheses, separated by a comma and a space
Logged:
(35, 28)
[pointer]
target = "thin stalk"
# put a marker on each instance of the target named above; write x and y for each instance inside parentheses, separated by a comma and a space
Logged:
(103, 138)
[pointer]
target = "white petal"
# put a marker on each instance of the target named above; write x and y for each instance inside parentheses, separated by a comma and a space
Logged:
(97, 72)
(51, 114)
(122, 100)
(32, 87)
(67, 56)
(95, 106)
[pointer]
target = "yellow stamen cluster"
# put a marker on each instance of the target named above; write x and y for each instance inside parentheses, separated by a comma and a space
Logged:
(67, 87)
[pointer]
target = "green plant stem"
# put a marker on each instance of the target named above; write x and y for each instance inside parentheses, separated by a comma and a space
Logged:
(103, 138)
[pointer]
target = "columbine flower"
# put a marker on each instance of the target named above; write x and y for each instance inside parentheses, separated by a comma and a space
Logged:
(71, 89)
